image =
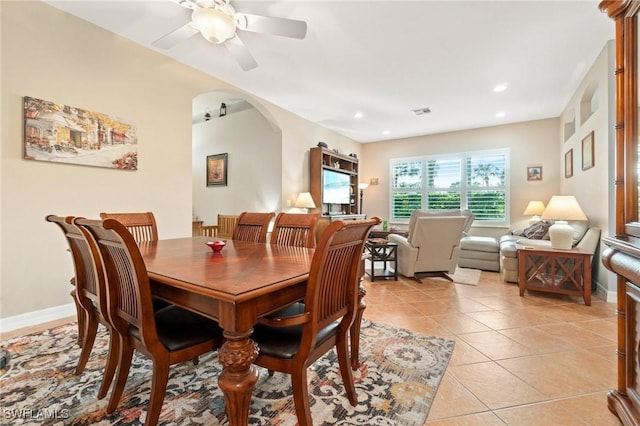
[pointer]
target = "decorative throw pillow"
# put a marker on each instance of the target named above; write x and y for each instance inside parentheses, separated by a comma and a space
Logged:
(537, 231)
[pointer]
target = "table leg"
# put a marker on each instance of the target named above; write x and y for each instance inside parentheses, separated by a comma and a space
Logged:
(586, 280)
(239, 375)
(355, 329)
(522, 273)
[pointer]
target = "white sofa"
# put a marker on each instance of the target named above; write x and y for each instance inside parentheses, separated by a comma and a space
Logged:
(433, 241)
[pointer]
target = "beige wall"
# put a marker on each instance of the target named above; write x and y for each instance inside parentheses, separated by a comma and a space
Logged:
(51, 55)
(593, 187)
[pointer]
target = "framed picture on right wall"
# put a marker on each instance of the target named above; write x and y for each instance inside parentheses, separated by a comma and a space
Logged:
(568, 164)
(587, 152)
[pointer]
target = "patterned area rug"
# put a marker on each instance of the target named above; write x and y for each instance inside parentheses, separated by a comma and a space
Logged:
(396, 384)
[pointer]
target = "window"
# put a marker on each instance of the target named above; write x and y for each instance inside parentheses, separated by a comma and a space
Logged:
(475, 180)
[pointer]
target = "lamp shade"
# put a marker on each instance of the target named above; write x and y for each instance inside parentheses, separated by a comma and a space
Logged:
(304, 201)
(214, 25)
(562, 208)
(363, 185)
(534, 208)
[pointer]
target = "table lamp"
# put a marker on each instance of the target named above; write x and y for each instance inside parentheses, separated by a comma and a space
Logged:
(362, 186)
(304, 202)
(560, 209)
(534, 209)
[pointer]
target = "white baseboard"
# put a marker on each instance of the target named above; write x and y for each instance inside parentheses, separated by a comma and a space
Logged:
(608, 295)
(37, 317)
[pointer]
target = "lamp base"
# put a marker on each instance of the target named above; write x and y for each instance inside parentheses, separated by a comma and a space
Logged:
(561, 235)
(534, 219)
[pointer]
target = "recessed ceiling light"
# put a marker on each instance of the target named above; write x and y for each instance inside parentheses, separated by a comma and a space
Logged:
(501, 114)
(385, 132)
(500, 88)
(358, 115)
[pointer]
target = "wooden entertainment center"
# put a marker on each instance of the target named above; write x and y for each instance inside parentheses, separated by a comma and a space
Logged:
(325, 164)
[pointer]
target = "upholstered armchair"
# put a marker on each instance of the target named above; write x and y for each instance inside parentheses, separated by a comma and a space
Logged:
(433, 241)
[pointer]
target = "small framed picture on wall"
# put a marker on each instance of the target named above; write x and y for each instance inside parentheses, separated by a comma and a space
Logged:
(568, 164)
(534, 173)
(217, 170)
(588, 160)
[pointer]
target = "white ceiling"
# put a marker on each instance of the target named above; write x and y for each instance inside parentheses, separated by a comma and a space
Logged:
(386, 58)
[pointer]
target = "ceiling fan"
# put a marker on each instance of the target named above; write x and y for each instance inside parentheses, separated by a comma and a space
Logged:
(218, 22)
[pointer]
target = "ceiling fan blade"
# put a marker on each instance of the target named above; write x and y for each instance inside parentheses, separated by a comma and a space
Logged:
(239, 51)
(169, 40)
(272, 25)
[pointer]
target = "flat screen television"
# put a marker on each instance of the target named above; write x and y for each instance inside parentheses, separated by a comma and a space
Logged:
(336, 187)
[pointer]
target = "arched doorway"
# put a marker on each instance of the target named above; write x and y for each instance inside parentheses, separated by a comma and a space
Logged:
(253, 144)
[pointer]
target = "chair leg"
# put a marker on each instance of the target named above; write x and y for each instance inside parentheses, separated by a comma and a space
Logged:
(158, 390)
(112, 363)
(89, 339)
(345, 371)
(125, 357)
(301, 396)
(80, 315)
(354, 333)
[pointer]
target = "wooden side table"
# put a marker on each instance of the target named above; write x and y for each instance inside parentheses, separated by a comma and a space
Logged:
(382, 251)
(555, 271)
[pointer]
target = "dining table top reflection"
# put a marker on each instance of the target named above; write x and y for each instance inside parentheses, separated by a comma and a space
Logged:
(236, 286)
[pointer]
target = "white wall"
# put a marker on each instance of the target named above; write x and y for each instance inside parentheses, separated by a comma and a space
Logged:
(254, 178)
(51, 55)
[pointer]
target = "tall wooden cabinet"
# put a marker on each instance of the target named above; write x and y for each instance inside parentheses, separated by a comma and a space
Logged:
(322, 160)
(622, 253)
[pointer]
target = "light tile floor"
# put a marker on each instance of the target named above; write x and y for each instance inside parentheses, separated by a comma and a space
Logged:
(541, 359)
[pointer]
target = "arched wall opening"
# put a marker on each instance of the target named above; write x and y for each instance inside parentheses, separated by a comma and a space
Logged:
(253, 144)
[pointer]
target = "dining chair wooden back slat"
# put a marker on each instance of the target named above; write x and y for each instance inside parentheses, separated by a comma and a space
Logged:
(141, 225)
(293, 229)
(253, 227)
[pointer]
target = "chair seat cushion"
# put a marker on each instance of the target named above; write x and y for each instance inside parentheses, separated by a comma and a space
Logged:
(178, 328)
(283, 342)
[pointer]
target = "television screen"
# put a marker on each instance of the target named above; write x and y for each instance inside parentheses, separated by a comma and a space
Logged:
(336, 187)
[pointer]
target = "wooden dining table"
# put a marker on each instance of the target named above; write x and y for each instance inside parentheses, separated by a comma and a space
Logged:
(242, 283)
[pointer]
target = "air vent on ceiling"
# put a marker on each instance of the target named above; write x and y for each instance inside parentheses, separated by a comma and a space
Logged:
(421, 111)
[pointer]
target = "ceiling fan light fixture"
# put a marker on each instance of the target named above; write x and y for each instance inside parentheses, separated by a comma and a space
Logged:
(214, 25)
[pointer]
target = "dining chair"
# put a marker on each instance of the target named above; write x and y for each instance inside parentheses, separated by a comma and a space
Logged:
(90, 295)
(141, 225)
(252, 227)
(292, 339)
(168, 336)
(226, 225)
(292, 229)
